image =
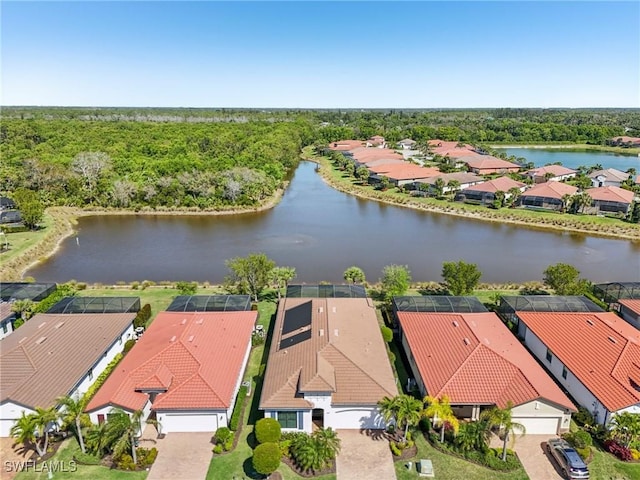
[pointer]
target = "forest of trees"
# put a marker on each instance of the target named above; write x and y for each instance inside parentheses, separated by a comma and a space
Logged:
(209, 159)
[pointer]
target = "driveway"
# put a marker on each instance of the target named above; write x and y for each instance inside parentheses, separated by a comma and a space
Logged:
(364, 456)
(532, 451)
(180, 455)
(10, 457)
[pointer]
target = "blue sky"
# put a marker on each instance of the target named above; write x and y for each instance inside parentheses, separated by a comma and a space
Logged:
(321, 54)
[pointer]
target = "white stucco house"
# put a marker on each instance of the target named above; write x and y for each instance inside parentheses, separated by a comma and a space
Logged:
(327, 365)
(609, 177)
(53, 355)
(184, 372)
(595, 356)
(475, 361)
(551, 173)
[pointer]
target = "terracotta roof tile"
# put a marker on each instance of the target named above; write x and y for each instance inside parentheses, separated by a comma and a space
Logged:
(609, 373)
(345, 356)
(474, 359)
(42, 361)
(407, 171)
(502, 184)
(632, 304)
(610, 174)
(551, 190)
(487, 162)
(344, 145)
(196, 356)
(555, 170)
(611, 194)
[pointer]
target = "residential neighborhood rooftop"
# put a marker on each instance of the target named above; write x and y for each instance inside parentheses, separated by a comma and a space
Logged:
(488, 162)
(555, 170)
(551, 190)
(500, 184)
(42, 361)
(195, 358)
(25, 291)
(96, 305)
(611, 194)
(610, 174)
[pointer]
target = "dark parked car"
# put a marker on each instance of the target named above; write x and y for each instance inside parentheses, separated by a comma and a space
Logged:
(570, 462)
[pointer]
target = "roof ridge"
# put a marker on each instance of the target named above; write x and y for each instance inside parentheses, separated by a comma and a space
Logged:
(357, 366)
(462, 365)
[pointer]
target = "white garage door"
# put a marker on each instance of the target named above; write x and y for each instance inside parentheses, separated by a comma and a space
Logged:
(354, 418)
(539, 425)
(185, 422)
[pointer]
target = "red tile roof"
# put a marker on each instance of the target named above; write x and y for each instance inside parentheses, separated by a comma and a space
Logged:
(487, 162)
(600, 349)
(474, 359)
(555, 170)
(371, 153)
(631, 303)
(502, 184)
(407, 171)
(611, 194)
(551, 190)
(344, 145)
(610, 175)
(195, 357)
(451, 149)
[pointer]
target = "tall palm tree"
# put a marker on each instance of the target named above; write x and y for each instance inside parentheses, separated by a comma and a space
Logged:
(408, 412)
(473, 436)
(72, 414)
(24, 431)
(122, 429)
(97, 439)
(281, 276)
(514, 195)
(439, 410)
(387, 408)
(501, 418)
(43, 418)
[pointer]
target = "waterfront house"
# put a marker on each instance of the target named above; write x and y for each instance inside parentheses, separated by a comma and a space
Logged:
(548, 195)
(484, 193)
(328, 364)
(625, 141)
(376, 141)
(550, 173)
(345, 145)
(487, 165)
(464, 179)
(609, 177)
(53, 355)
(407, 144)
(604, 384)
(610, 200)
(471, 357)
(184, 372)
(452, 150)
(402, 174)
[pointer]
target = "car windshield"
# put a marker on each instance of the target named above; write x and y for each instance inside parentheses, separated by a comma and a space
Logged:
(574, 459)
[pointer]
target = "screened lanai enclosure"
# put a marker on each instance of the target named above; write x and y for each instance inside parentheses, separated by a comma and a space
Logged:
(97, 305)
(438, 303)
(326, 291)
(210, 303)
(614, 291)
(509, 305)
(26, 291)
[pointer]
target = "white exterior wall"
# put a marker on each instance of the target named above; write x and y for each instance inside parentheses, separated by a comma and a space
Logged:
(577, 390)
(9, 413)
(6, 325)
(540, 417)
(185, 421)
(229, 411)
(356, 417)
(414, 367)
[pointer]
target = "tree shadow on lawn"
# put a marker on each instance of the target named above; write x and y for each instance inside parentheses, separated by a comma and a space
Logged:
(249, 471)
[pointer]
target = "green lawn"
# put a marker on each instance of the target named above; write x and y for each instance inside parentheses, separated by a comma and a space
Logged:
(605, 466)
(64, 455)
(447, 467)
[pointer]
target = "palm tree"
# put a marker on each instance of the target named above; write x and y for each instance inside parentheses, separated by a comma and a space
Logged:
(583, 200)
(387, 408)
(43, 418)
(501, 418)
(306, 455)
(122, 429)
(439, 186)
(97, 440)
(626, 427)
(281, 276)
(354, 274)
(441, 413)
(566, 201)
(73, 413)
(473, 436)
(514, 195)
(408, 412)
(454, 186)
(24, 432)
(326, 441)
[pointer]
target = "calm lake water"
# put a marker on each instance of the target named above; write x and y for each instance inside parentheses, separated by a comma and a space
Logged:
(321, 232)
(575, 159)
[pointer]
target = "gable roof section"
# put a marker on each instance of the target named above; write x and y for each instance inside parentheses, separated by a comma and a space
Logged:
(47, 356)
(474, 359)
(609, 374)
(344, 145)
(555, 170)
(502, 184)
(407, 171)
(195, 358)
(611, 194)
(551, 190)
(488, 162)
(345, 356)
(610, 174)
(450, 149)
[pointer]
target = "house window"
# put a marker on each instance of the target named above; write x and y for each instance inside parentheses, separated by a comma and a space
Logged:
(90, 374)
(549, 356)
(288, 419)
(4, 328)
(564, 372)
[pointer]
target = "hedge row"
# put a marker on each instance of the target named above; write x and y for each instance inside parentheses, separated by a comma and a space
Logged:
(237, 409)
(102, 378)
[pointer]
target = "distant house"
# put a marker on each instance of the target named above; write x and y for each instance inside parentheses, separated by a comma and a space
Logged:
(452, 150)
(345, 145)
(185, 371)
(487, 164)
(548, 195)
(593, 355)
(484, 193)
(407, 144)
(609, 177)
(10, 216)
(625, 141)
(465, 180)
(629, 309)
(7, 203)
(42, 360)
(361, 156)
(376, 141)
(610, 200)
(475, 360)
(7, 316)
(327, 366)
(402, 174)
(551, 173)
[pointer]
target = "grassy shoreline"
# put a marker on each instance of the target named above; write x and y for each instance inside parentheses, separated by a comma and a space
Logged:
(582, 224)
(572, 147)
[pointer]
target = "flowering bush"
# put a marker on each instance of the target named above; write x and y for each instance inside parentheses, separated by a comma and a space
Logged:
(620, 451)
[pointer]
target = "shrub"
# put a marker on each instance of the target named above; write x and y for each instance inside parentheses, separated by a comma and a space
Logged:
(267, 430)
(620, 451)
(579, 439)
(583, 417)
(222, 435)
(228, 445)
(128, 345)
(135, 285)
(584, 452)
(217, 449)
(266, 458)
(394, 449)
(143, 316)
(387, 333)
(635, 454)
(237, 409)
(125, 462)
(86, 459)
(146, 457)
